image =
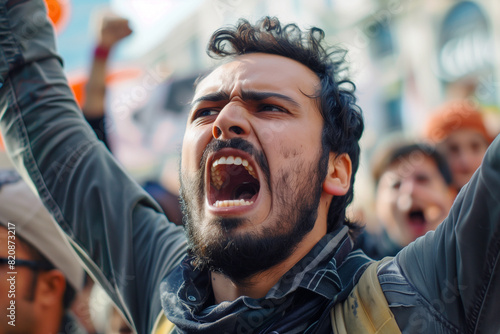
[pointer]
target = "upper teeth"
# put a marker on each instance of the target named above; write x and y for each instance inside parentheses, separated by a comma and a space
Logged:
(218, 178)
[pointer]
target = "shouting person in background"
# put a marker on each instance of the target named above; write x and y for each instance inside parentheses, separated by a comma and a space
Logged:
(413, 195)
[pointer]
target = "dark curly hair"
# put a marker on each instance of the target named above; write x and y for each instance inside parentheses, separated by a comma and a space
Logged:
(343, 118)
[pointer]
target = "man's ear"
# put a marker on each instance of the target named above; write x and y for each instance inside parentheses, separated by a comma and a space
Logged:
(338, 178)
(51, 287)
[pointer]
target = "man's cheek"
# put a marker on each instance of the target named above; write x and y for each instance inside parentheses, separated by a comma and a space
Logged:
(190, 159)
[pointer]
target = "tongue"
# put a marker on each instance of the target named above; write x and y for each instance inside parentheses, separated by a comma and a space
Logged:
(245, 191)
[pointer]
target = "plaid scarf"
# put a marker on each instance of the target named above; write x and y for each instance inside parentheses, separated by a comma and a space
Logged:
(298, 303)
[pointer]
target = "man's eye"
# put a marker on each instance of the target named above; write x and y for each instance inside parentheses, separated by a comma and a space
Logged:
(205, 113)
(271, 108)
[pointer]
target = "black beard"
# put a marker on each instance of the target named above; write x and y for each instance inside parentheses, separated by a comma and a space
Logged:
(242, 256)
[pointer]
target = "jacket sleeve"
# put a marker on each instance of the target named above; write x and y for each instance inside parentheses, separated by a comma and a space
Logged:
(456, 269)
(119, 232)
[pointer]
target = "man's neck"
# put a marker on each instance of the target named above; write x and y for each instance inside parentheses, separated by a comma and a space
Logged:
(258, 285)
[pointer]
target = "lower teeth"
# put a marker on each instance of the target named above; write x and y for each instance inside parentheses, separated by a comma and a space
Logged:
(229, 203)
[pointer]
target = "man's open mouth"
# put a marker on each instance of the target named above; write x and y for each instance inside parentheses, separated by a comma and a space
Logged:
(233, 182)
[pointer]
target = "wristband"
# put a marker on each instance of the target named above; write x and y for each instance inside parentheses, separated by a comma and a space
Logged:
(101, 52)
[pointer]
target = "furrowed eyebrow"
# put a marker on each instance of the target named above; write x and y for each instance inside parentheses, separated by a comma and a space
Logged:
(259, 96)
(212, 97)
(246, 95)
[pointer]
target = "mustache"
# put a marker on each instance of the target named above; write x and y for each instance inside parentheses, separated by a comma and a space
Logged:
(240, 144)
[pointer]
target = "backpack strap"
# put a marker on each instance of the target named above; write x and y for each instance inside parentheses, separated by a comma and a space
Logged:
(365, 310)
(162, 325)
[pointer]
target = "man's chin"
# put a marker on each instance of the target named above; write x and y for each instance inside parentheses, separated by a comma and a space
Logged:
(227, 249)
(236, 259)
(228, 225)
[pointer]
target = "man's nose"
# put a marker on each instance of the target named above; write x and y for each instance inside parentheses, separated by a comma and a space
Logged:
(232, 121)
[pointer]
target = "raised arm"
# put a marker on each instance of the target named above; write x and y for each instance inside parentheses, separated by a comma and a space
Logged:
(111, 31)
(456, 269)
(127, 245)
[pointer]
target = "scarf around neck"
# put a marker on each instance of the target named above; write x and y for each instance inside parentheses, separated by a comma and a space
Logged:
(296, 304)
